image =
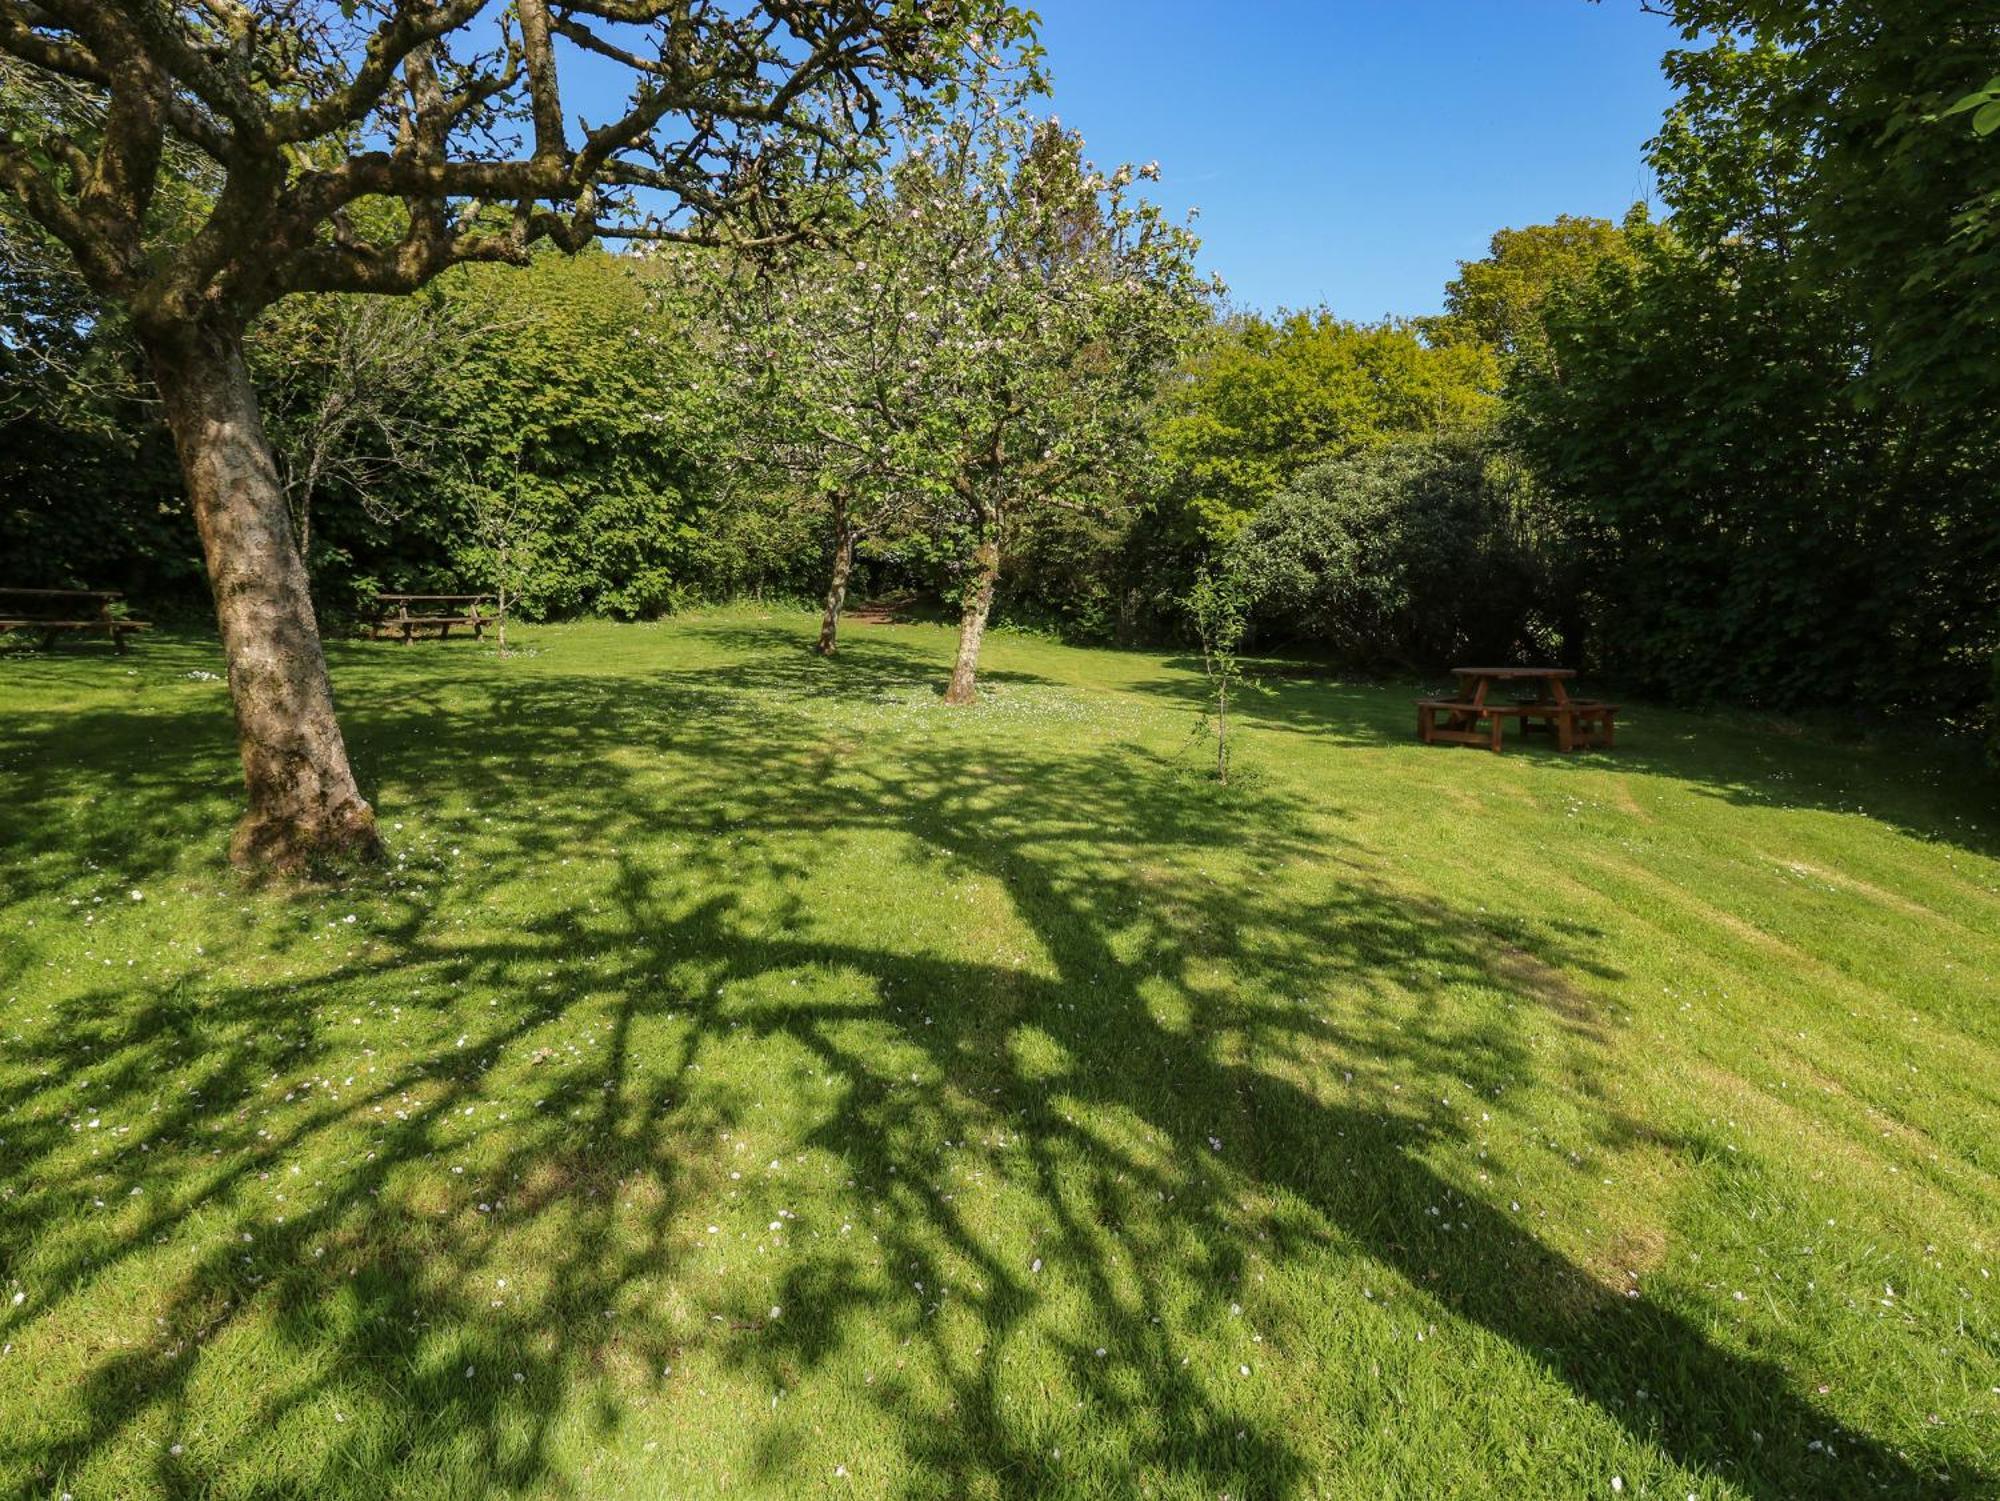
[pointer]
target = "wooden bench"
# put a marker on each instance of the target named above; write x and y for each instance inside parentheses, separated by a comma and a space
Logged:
(1591, 724)
(1461, 726)
(392, 615)
(1577, 724)
(53, 611)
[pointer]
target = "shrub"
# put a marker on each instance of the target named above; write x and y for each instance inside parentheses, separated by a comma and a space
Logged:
(1414, 555)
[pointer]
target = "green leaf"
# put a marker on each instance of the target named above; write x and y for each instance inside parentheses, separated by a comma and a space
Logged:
(1987, 120)
(1974, 100)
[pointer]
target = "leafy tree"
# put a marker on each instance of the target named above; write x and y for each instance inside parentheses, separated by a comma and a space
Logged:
(1412, 555)
(1768, 432)
(343, 381)
(1499, 302)
(1069, 568)
(1263, 401)
(976, 354)
(367, 147)
(761, 542)
(831, 353)
(591, 388)
(1849, 132)
(1064, 303)
(86, 468)
(1753, 531)
(1730, 156)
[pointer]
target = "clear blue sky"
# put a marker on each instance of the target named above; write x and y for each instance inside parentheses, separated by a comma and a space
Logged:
(1352, 152)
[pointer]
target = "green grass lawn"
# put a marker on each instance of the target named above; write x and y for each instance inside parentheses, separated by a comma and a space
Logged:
(752, 1078)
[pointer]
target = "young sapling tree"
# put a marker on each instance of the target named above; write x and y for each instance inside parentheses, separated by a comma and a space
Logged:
(498, 500)
(1218, 604)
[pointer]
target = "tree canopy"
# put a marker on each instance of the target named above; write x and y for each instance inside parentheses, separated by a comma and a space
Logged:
(1848, 134)
(979, 349)
(1502, 300)
(366, 146)
(1266, 399)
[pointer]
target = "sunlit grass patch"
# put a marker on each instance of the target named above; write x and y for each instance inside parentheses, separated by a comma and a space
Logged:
(748, 1076)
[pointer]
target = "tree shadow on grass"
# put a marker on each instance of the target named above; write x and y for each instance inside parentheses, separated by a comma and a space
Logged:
(865, 664)
(1156, 1120)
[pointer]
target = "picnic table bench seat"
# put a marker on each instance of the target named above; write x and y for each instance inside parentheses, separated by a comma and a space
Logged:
(1593, 724)
(54, 611)
(392, 615)
(1461, 723)
(1576, 723)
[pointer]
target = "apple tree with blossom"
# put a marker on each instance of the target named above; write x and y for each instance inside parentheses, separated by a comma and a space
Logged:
(980, 346)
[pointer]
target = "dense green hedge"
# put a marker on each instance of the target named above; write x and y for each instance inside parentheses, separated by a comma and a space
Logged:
(1754, 527)
(1414, 556)
(567, 404)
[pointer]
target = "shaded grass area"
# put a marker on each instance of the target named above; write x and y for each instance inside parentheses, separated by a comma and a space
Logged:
(753, 1078)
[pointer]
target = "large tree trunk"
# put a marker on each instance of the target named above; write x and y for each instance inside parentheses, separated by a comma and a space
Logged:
(972, 623)
(303, 801)
(836, 586)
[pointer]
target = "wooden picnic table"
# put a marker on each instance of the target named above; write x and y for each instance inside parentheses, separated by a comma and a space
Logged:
(393, 616)
(1573, 721)
(53, 611)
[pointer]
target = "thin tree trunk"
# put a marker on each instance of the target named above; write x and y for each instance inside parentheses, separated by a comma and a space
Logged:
(972, 623)
(298, 502)
(301, 512)
(302, 798)
(836, 586)
(1222, 733)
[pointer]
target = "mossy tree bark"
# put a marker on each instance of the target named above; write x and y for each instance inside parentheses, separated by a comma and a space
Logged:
(303, 803)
